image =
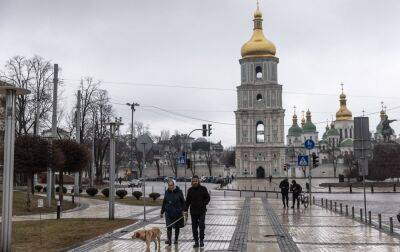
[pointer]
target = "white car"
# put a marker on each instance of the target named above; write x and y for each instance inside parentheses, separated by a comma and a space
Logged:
(135, 183)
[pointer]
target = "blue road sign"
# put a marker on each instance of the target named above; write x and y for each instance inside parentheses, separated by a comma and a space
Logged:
(309, 144)
(302, 160)
(182, 160)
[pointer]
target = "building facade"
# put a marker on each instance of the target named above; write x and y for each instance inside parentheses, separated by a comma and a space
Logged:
(260, 149)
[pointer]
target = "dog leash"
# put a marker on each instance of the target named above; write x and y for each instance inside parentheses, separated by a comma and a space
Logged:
(176, 222)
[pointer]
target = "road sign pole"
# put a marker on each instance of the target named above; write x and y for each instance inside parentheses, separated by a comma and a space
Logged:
(309, 178)
(144, 182)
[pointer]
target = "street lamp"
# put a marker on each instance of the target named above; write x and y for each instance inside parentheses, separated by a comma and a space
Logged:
(132, 106)
(11, 93)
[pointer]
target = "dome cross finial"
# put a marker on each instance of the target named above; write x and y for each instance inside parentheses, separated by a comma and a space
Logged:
(294, 107)
(341, 84)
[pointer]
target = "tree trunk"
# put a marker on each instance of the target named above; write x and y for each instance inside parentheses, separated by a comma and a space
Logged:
(158, 167)
(61, 186)
(28, 192)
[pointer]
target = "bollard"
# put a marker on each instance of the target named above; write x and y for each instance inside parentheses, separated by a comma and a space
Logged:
(391, 224)
(347, 210)
(326, 203)
(224, 193)
(341, 208)
(372, 188)
(361, 214)
(351, 188)
(58, 209)
(330, 205)
(394, 187)
(240, 193)
(322, 202)
(352, 212)
(329, 188)
(335, 206)
(313, 200)
(254, 193)
(276, 195)
(73, 199)
(369, 217)
(380, 220)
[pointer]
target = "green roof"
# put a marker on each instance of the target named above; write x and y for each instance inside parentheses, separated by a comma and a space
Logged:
(323, 141)
(379, 127)
(309, 127)
(295, 130)
(348, 142)
(332, 132)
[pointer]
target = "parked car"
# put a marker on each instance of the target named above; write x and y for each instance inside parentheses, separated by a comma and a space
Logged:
(135, 183)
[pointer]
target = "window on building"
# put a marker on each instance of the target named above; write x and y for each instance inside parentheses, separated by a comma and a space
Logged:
(259, 74)
(345, 133)
(341, 133)
(260, 132)
(259, 97)
(351, 132)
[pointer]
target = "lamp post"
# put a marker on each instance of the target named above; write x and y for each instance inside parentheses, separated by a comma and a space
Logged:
(132, 106)
(11, 93)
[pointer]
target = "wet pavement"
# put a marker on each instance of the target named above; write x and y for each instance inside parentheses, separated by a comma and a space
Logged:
(259, 224)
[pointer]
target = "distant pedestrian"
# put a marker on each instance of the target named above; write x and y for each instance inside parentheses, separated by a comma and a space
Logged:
(173, 206)
(197, 199)
(270, 179)
(296, 189)
(284, 185)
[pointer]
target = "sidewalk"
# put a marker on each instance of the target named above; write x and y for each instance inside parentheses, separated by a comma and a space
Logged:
(259, 224)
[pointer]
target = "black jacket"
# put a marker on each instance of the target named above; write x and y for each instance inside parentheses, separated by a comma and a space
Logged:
(173, 206)
(284, 185)
(197, 199)
(296, 189)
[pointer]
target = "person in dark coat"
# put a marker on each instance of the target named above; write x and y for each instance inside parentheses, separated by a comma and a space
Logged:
(173, 206)
(296, 189)
(284, 185)
(197, 199)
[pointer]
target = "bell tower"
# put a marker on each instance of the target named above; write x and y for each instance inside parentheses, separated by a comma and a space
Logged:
(259, 116)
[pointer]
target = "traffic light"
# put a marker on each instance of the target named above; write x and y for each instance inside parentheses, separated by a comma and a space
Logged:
(285, 167)
(209, 130)
(315, 160)
(204, 130)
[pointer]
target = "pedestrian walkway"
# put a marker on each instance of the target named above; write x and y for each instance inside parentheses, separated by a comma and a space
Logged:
(259, 224)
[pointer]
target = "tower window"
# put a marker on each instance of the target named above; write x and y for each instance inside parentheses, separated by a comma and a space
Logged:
(345, 133)
(259, 74)
(260, 132)
(259, 97)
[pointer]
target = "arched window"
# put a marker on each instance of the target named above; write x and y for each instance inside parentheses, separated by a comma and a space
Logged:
(259, 97)
(259, 74)
(341, 133)
(351, 132)
(260, 132)
(345, 133)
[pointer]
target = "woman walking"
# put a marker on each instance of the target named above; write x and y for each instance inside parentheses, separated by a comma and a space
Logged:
(173, 207)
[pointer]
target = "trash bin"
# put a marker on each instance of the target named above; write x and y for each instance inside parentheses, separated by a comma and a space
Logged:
(341, 178)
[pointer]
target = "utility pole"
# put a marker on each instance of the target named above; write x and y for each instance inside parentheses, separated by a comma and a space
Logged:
(132, 105)
(78, 139)
(111, 197)
(49, 191)
(144, 182)
(93, 145)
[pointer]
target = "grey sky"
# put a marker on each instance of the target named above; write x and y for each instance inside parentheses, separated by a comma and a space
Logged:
(197, 43)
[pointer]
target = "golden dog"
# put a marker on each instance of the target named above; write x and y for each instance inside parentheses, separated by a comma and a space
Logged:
(149, 235)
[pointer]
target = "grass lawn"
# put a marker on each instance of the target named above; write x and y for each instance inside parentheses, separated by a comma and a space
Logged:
(19, 204)
(55, 235)
(129, 200)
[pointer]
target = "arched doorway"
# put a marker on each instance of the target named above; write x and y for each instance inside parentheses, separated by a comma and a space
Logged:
(260, 172)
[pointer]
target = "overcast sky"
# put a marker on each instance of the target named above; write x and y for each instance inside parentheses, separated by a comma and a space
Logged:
(136, 47)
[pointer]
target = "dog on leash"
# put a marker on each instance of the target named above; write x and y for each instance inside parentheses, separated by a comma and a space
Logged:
(148, 236)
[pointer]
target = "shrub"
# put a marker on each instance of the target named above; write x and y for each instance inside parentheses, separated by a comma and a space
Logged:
(154, 195)
(80, 190)
(91, 191)
(105, 192)
(64, 189)
(137, 194)
(38, 188)
(121, 193)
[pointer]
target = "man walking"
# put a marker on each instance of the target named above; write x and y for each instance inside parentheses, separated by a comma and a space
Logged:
(296, 189)
(197, 199)
(284, 185)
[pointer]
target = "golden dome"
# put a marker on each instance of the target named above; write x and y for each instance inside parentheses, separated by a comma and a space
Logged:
(344, 114)
(258, 45)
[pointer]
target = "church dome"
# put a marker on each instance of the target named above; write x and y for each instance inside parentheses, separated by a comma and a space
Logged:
(258, 45)
(332, 131)
(308, 125)
(343, 114)
(295, 130)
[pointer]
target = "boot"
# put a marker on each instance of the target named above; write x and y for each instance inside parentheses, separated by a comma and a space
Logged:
(196, 244)
(176, 235)
(169, 235)
(201, 244)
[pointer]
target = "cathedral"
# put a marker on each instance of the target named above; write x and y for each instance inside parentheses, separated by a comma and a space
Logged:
(260, 147)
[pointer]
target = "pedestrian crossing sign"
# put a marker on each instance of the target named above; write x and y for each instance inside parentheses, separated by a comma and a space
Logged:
(302, 160)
